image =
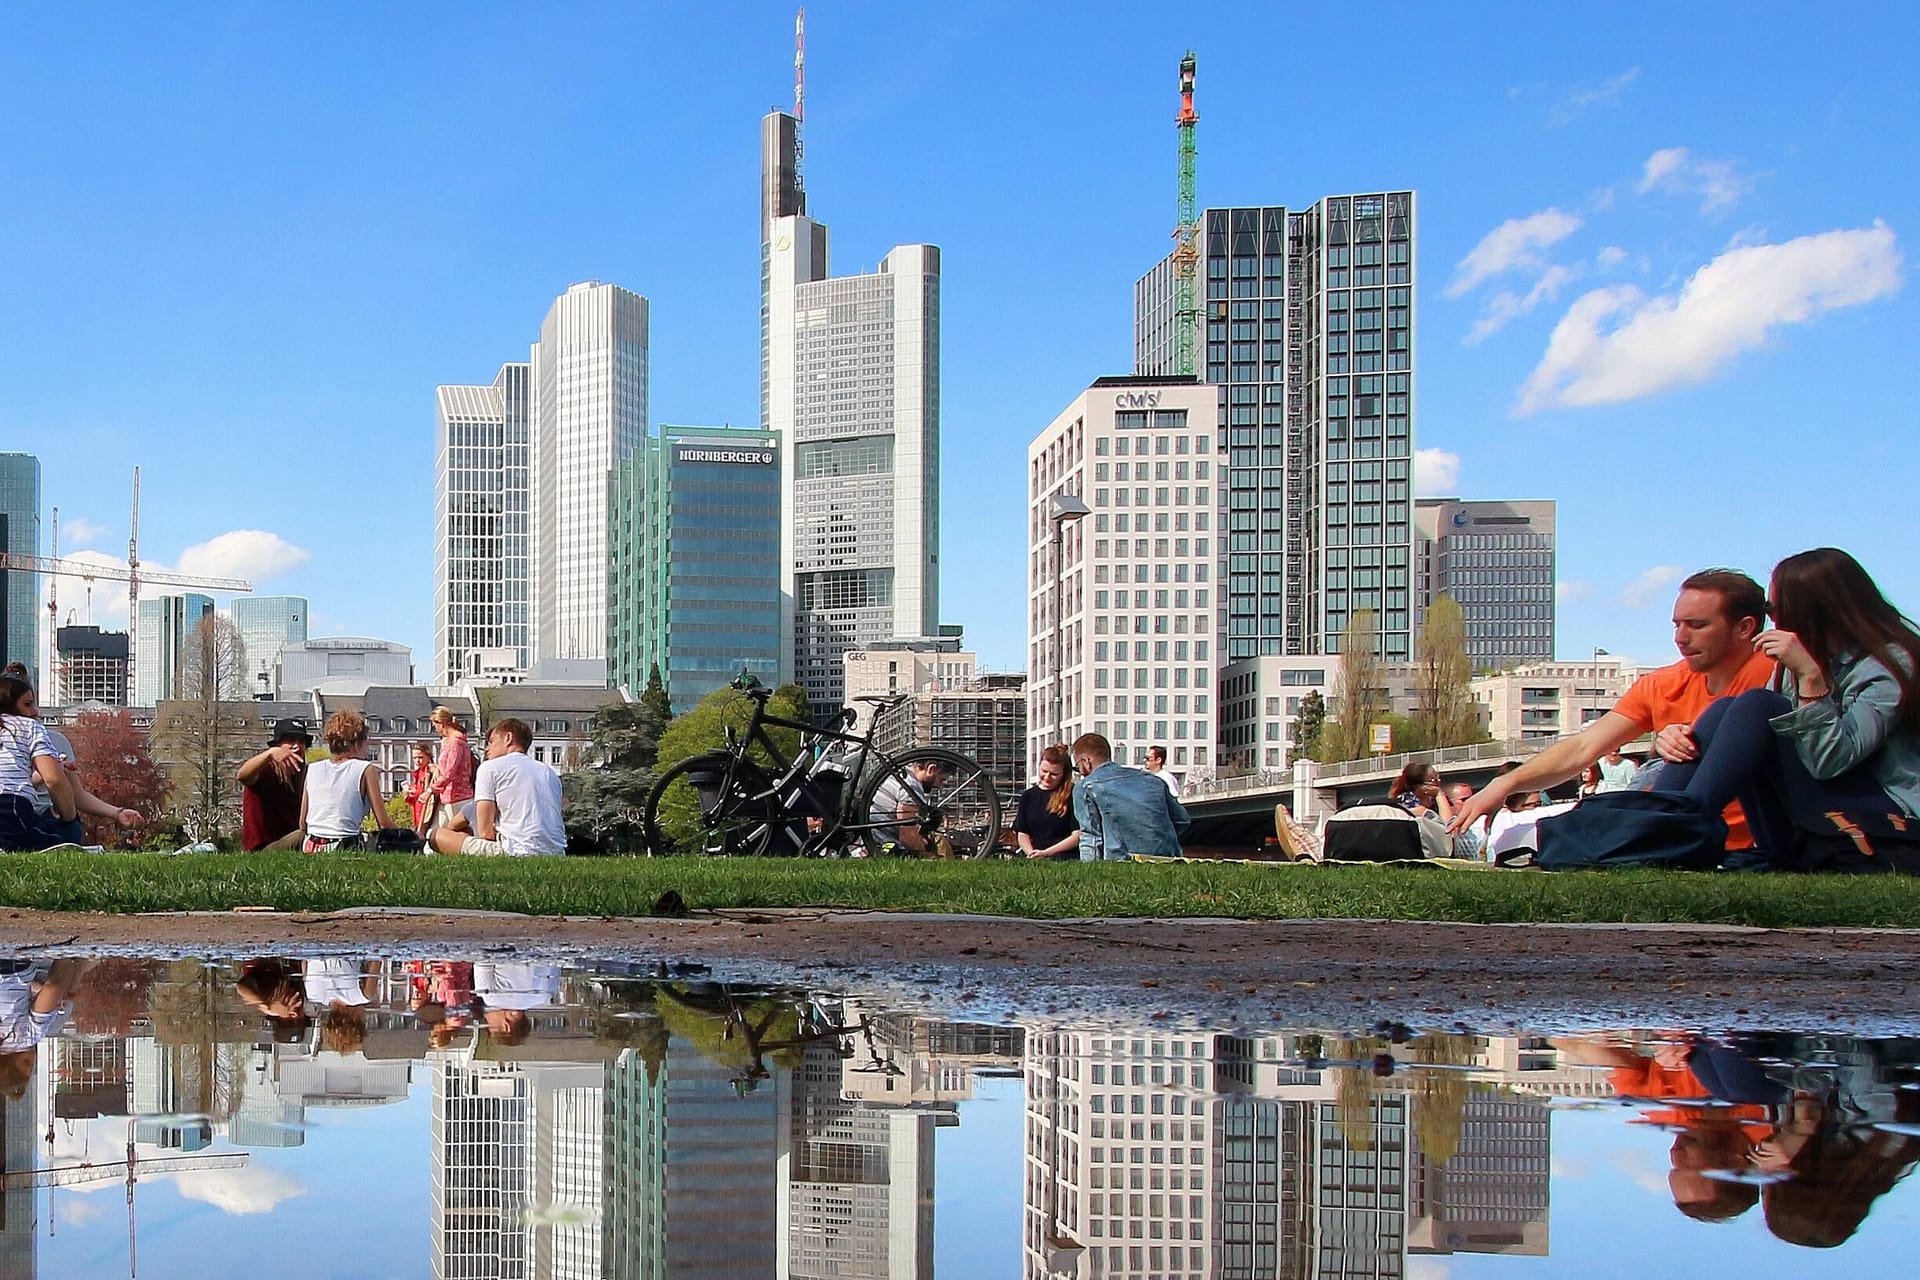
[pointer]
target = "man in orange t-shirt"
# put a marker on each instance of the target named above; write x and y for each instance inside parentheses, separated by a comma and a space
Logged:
(1715, 619)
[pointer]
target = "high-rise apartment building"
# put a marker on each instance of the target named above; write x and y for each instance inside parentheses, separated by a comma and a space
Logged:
(91, 666)
(265, 624)
(167, 624)
(1496, 559)
(1306, 322)
(1122, 603)
(693, 562)
(850, 385)
(587, 397)
(482, 534)
(20, 535)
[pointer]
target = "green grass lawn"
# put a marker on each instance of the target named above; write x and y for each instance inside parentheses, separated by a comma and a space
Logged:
(629, 887)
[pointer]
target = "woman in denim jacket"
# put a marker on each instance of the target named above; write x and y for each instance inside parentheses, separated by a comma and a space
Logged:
(1827, 767)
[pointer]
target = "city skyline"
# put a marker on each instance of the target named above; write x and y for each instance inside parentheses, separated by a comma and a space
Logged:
(1570, 284)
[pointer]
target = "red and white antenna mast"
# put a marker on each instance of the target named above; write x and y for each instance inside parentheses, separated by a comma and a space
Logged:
(799, 95)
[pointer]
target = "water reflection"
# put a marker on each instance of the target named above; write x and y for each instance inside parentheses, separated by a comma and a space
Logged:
(606, 1122)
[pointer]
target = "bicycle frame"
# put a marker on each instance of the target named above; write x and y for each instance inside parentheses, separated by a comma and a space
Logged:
(790, 775)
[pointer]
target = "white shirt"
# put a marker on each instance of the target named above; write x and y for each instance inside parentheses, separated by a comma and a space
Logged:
(516, 986)
(1617, 777)
(21, 1027)
(336, 806)
(1173, 784)
(527, 793)
(334, 981)
(22, 739)
(43, 798)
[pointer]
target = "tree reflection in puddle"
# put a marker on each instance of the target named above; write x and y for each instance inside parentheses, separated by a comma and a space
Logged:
(514, 1117)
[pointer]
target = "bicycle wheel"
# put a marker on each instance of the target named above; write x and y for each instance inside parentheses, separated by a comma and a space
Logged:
(948, 810)
(711, 804)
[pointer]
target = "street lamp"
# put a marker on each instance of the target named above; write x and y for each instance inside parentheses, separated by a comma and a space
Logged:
(1062, 508)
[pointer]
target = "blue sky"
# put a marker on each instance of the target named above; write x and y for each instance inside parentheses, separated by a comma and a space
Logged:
(240, 245)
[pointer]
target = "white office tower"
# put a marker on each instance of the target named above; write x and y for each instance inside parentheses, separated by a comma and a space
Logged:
(1122, 603)
(850, 379)
(481, 526)
(588, 403)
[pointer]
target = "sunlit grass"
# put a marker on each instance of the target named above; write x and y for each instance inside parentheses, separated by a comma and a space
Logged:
(630, 887)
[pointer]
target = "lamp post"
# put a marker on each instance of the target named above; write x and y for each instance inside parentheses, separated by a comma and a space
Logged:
(1062, 508)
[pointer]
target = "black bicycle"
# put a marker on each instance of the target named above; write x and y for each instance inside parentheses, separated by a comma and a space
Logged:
(836, 794)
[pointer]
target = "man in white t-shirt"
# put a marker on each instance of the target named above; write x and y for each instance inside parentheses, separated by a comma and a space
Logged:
(516, 802)
(1157, 766)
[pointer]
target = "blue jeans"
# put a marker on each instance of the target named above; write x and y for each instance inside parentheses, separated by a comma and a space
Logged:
(1795, 817)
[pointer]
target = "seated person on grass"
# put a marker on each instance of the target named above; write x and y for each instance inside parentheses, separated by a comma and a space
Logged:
(1122, 811)
(1716, 620)
(516, 802)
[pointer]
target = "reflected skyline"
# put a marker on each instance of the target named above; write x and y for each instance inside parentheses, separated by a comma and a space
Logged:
(577, 1123)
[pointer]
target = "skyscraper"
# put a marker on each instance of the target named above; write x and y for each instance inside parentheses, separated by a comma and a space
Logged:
(265, 623)
(1307, 319)
(166, 624)
(20, 535)
(694, 568)
(1496, 559)
(850, 384)
(482, 534)
(588, 400)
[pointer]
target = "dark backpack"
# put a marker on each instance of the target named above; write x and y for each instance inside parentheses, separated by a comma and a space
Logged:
(1632, 829)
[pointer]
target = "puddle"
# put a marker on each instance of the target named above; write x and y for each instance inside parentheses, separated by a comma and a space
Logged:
(405, 1118)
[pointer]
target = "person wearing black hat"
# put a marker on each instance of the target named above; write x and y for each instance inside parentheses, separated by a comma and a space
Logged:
(271, 785)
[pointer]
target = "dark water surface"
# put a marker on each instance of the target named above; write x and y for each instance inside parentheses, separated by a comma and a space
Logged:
(448, 1118)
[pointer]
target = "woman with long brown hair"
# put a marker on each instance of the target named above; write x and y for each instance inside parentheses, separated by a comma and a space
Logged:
(1044, 824)
(1826, 765)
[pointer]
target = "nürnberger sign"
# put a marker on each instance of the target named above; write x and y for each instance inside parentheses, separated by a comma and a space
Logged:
(758, 457)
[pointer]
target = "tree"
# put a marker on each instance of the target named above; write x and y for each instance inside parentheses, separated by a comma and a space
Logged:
(114, 761)
(1309, 725)
(1448, 713)
(705, 727)
(1362, 698)
(204, 734)
(655, 705)
(604, 802)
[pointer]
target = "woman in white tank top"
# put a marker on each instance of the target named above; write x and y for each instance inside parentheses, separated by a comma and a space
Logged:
(343, 789)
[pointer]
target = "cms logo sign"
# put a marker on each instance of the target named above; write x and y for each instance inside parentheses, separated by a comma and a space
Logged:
(1137, 400)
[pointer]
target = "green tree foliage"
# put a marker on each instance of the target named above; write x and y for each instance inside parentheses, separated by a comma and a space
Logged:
(655, 704)
(1448, 714)
(605, 801)
(705, 727)
(1309, 726)
(1362, 700)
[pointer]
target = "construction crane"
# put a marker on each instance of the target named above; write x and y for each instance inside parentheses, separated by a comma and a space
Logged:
(799, 97)
(1186, 253)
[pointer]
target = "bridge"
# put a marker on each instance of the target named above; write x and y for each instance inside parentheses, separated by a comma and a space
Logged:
(1238, 811)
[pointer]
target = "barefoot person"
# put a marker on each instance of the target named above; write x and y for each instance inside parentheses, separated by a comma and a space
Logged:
(1716, 620)
(516, 802)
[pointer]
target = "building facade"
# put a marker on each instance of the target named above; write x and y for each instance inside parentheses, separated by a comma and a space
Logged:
(1496, 559)
(266, 625)
(588, 399)
(850, 385)
(904, 666)
(1130, 604)
(91, 666)
(1261, 698)
(1551, 699)
(982, 717)
(167, 623)
(1307, 323)
(20, 535)
(694, 568)
(342, 664)
(482, 533)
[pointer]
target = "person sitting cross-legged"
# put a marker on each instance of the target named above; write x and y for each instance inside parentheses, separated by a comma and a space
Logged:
(516, 802)
(1122, 811)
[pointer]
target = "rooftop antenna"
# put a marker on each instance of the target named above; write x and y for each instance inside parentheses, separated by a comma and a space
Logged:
(799, 94)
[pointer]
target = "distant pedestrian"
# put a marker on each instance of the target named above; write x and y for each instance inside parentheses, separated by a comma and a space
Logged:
(342, 791)
(272, 786)
(1616, 771)
(1045, 824)
(452, 770)
(1122, 811)
(420, 787)
(1157, 766)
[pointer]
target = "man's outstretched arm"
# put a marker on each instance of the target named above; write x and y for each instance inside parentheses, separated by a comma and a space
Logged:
(1555, 765)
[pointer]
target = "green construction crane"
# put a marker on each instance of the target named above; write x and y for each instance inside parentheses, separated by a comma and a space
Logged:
(1186, 253)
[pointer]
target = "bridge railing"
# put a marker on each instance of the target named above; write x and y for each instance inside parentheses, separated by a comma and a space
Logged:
(1506, 749)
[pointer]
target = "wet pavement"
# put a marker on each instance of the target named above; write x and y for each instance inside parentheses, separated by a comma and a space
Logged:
(498, 1111)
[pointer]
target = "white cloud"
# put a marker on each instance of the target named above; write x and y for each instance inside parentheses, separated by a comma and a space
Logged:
(1436, 473)
(1572, 591)
(1582, 97)
(1650, 585)
(253, 554)
(1618, 344)
(1506, 306)
(1514, 244)
(78, 531)
(1675, 169)
(1610, 256)
(239, 1191)
(1427, 1268)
